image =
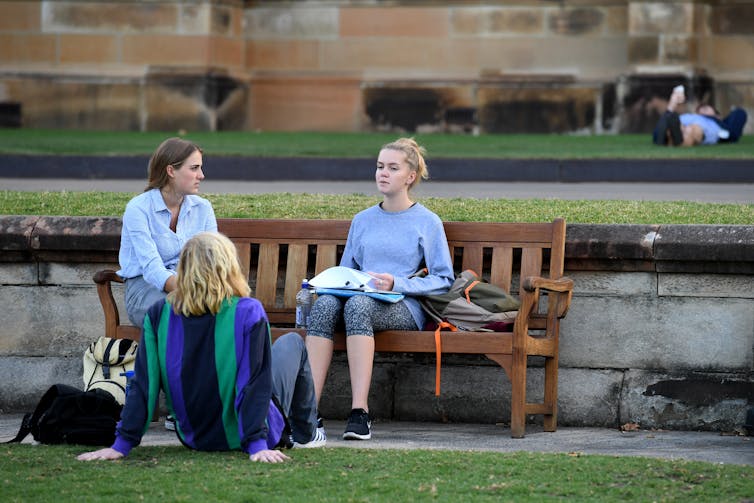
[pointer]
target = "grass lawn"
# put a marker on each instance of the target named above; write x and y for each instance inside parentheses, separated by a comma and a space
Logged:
(364, 145)
(319, 206)
(50, 473)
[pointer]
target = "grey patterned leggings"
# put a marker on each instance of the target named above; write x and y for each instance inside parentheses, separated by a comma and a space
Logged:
(361, 315)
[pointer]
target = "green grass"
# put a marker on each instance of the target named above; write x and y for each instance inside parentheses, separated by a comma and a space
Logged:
(50, 473)
(363, 145)
(345, 206)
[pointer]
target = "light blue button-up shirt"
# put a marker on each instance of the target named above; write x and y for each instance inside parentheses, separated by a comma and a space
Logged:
(148, 247)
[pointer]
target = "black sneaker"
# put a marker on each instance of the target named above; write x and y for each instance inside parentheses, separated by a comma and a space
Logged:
(359, 426)
(170, 423)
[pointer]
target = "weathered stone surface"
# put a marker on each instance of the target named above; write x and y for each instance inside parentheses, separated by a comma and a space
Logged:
(686, 401)
(24, 273)
(488, 20)
(627, 241)
(660, 17)
(665, 333)
(681, 49)
(706, 285)
(52, 320)
(729, 243)
(642, 50)
(577, 21)
(296, 23)
(25, 379)
(109, 17)
(611, 284)
(732, 19)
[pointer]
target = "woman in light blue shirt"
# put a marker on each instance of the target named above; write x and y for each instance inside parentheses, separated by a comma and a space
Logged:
(158, 222)
(391, 241)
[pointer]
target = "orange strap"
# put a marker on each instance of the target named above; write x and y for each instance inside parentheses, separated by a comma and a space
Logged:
(438, 351)
(468, 289)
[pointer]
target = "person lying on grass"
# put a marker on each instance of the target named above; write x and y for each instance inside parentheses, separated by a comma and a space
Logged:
(207, 346)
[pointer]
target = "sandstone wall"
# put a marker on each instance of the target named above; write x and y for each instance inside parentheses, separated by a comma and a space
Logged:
(521, 66)
(660, 332)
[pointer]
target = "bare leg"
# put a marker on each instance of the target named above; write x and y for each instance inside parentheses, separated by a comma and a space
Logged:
(360, 360)
(320, 355)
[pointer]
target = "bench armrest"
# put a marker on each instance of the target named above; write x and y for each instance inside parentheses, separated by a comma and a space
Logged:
(110, 309)
(561, 287)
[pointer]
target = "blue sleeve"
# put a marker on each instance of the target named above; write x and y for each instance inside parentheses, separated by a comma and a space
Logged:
(437, 259)
(136, 225)
(253, 398)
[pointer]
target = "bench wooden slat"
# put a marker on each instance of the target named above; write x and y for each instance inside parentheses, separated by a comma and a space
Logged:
(502, 267)
(295, 272)
(267, 274)
(326, 257)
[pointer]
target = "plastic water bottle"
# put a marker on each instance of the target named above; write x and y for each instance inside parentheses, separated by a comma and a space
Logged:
(128, 374)
(303, 304)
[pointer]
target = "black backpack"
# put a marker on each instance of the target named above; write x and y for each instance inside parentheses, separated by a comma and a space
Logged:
(66, 415)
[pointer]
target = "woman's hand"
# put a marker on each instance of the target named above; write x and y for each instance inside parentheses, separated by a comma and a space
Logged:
(383, 280)
(269, 456)
(106, 453)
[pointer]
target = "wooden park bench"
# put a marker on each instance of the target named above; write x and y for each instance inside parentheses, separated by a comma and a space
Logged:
(277, 254)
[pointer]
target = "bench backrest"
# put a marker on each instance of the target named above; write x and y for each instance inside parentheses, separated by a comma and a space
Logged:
(276, 255)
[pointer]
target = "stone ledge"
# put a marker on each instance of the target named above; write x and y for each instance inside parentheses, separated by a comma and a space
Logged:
(653, 248)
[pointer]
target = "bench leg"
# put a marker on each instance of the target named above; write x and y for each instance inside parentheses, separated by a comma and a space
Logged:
(551, 394)
(518, 395)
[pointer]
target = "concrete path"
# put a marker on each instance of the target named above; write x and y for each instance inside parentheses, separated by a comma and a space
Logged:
(688, 445)
(640, 191)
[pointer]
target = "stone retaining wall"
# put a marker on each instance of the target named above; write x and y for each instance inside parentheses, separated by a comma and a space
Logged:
(660, 333)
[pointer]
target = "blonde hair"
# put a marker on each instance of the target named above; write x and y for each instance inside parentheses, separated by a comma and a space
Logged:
(208, 273)
(414, 156)
(171, 152)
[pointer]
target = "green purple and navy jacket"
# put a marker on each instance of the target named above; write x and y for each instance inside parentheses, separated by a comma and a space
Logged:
(216, 375)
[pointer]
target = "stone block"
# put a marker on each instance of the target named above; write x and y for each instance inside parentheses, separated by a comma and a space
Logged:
(27, 48)
(725, 243)
(732, 53)
(551, 109)
(732, 19)
(624, 241)
(602, 283)
(659, 18)
(356, 54)
(301, 22)
(643, 332)
(109, 17)
(681, 49)
(89, 49)
(69, 274)
(643, 50)
(54, 320)
(576, 21)
(719, 286)
(616, 19)
(305, 104)
(18, 274)
(25, 379)
(282, 54)
(226, 53)
(189, 51)
(492, 21)
(20, 16)
(390, 22)
(686, 401)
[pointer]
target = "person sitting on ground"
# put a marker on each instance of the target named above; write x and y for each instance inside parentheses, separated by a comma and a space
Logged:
(705, 127)
(207, 347)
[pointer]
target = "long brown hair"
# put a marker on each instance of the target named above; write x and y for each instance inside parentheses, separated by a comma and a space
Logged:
(171, 152)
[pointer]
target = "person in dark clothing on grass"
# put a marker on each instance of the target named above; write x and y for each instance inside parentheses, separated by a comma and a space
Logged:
(705, 127)
(207, 346)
